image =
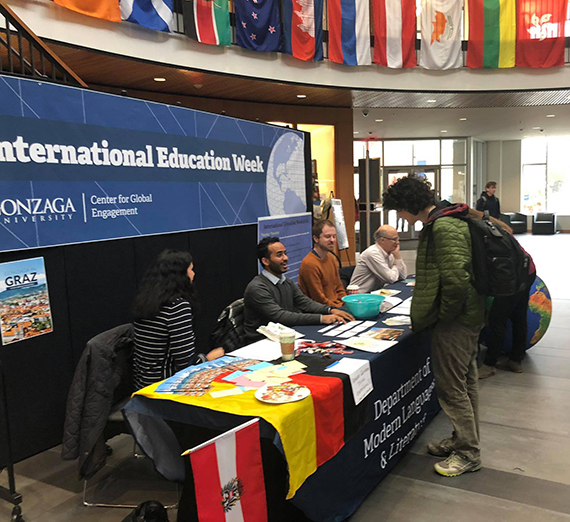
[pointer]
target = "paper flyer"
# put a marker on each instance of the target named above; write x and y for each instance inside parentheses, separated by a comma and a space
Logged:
(24, 300)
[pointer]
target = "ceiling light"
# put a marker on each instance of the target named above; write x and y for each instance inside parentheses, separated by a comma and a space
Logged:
(378, 120)
(160, 79)
(355, 132)
(462, 119)
(443, 131)
(198, 85)
(536, 128)
(550, 115)
(432, 101)
(301, 95)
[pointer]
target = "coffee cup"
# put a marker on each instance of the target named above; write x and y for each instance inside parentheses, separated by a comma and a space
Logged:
(287, 341)
(352, 289)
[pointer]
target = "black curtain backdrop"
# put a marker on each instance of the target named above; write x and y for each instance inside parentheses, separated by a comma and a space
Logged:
(91, 288)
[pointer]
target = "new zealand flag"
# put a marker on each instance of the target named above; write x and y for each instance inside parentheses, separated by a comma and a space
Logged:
(258, 26)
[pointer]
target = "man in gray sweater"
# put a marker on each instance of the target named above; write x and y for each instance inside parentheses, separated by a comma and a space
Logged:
(270, 296)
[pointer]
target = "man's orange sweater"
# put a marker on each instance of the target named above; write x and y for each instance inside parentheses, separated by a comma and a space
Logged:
(320, 280)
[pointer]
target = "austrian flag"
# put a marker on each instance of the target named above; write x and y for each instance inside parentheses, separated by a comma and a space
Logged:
(228, 477)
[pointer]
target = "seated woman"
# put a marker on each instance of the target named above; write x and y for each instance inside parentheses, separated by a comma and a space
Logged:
(164, 314)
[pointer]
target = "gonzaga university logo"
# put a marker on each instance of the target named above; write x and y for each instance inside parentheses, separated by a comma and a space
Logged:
(14, 211)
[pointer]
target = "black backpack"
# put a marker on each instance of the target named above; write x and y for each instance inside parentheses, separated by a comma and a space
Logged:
(500, 265)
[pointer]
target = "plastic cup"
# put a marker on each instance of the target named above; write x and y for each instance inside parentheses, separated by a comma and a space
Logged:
(287, 341)
(352, 289)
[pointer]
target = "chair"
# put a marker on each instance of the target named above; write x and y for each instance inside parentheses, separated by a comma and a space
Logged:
(228, 332)
(544, 223)
(516, 220)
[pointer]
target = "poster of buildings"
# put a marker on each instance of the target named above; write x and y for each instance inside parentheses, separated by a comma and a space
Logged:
(24, 300)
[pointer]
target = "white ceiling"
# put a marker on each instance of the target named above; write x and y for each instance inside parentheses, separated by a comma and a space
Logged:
(487, 124)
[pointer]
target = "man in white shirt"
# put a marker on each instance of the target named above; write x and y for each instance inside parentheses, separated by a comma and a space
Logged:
(381, 263)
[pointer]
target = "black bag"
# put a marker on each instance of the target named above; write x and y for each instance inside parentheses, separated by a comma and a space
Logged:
(500, 266)
(228, 332)
(148, 511)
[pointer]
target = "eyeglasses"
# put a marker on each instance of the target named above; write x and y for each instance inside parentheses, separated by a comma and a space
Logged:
(396, 239)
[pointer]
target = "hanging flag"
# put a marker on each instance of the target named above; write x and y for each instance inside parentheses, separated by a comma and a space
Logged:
(303, 29)
(349, 32)
(492, 33)
(228, 476)
(441, 34)
(540, 33)
(104, 9)
(207, 21)
(258, 26)
(394, 33)
(152, 14)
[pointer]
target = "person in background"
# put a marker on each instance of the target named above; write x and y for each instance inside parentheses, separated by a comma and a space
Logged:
(515, 308)
(381, 263)
(446, 302)
(488, 201)
(164, 320)
(270, 296)
(318, 275)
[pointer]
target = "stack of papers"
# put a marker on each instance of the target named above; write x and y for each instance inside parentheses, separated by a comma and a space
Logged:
(403, 308)
(264, 350)
(398, 320)
(367, 344)
(272, 331)
(349, 329)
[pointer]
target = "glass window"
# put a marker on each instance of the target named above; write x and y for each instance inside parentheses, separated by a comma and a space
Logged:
(359, 151)
(453, 152)
(375, 150)
(533, 150)
(453, 184)
(398, 153)
(426, 152)
(558, 175)
(533, 189)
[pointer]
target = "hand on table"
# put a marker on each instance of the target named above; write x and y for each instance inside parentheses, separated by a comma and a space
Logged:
(341, 313)
(216, 353)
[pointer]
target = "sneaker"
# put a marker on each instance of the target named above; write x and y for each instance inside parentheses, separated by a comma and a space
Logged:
(456, 465)
(486, 371)
(443, 448)
(510, 366)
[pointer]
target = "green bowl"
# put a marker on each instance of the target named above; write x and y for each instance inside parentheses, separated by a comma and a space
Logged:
(363, 306)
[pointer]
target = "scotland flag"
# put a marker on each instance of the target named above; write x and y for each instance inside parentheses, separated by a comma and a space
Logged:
(152, 14)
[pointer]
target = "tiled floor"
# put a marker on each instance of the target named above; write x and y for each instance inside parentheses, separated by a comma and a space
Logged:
(525, 430)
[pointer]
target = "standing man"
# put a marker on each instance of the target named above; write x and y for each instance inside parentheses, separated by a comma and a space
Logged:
(270, 296)
(488, 201)
(381, 263)
(446, 302)
(318, 275)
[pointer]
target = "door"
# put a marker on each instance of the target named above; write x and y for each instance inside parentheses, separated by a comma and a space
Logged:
(391, 175)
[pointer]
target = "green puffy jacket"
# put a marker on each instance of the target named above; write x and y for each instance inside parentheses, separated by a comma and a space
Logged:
(443, 290)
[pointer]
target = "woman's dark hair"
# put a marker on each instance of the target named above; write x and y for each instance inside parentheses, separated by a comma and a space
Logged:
(412, 194)
(165, 281)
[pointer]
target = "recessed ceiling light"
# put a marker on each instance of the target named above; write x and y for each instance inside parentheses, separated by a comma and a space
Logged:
(536, 128)
(432, 101)
(355, 132)
(443, 131)
(378, 120)
(462, 119)
(550, 115)
(301, 95)
(160, 79)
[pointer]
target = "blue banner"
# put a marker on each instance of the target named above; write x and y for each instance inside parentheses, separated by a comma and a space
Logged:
(294, 232)
(78, 166)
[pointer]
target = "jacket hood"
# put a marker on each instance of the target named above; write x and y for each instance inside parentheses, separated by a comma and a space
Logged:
(485, 195)
(445, 208)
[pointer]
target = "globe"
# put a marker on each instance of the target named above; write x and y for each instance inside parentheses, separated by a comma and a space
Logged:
(538, 316)
(286, 176)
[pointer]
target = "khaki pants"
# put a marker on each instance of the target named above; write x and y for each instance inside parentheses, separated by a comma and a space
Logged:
(454, 353)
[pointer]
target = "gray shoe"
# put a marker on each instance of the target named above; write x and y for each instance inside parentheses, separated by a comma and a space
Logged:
(510, 366)
(486, 371)
(456, 465)
(443, 448)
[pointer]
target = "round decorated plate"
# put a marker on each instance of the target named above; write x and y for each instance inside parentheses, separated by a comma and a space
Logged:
(282, 393)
